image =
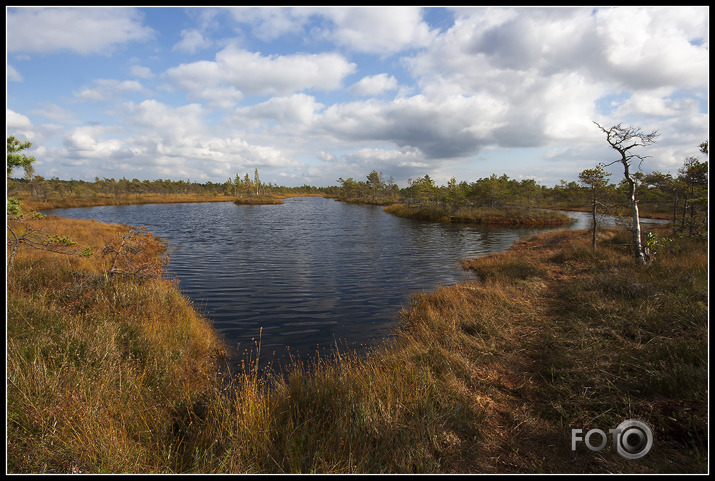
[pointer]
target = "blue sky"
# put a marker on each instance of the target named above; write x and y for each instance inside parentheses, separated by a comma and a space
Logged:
(308, 95)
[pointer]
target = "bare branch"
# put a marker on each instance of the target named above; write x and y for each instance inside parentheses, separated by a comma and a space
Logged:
(135, 255)
(40, 240)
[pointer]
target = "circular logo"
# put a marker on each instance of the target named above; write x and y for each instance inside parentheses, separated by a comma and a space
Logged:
(633, 439)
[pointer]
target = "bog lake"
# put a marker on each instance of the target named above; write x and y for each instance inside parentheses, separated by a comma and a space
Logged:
(308, 275)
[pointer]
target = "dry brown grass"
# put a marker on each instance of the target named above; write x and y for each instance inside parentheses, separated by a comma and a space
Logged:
(29, 203)
(505, 215)
(487, 376)
(97, 367)
(600, 341)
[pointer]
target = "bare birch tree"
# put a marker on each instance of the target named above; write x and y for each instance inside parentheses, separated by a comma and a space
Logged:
(622, 140)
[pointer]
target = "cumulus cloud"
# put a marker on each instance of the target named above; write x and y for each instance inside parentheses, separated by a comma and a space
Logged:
(549, 109)
(549, 39)
(79, 29)
(254, 74)
(667, 43)
(398, 164)
(192, 41)
(158, 140)
(16, 121)
(373, 85)
(269, 23)
(107, 88)
(174, 126)
(182, 133)
(657, 103)
(439, 128)
(141, 72)
(610, 44)
(384, 30)
(12, 75)
(399, 160)
(379, 30)
(293, 111)
(85, 142)
(551, 66)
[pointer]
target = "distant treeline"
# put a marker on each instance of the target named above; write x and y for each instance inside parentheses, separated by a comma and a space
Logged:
(46, 189)
(682, 199)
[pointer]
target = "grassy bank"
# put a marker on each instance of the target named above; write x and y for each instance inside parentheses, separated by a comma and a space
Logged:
(30, 203)
(367, 200)
(505, 215)
(487, 376)
(99, 369)
(258, 200)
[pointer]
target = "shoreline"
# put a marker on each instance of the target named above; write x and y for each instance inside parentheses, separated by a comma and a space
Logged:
(505, 215)
(29, 204)
(463, 386)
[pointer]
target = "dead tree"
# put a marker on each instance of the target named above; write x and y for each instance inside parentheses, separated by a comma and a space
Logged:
(622, 140)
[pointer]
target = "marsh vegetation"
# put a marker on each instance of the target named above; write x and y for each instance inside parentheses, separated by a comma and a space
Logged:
(120, 374)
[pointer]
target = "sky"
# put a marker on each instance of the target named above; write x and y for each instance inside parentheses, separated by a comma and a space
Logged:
(308, 95)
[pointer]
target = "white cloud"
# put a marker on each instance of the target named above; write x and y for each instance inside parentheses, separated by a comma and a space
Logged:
(192, 41)
(217, 96)
(371, 158)
(269, 23)
(180, 133)
(658, 103)
(373, 85)
(254, 74)
(79, 29)
(548, 109)
(85, 142)
(16, 121)
(12, 75)
(141, 72)
(107, 88)
(56, 113)
(440, 128)
(380, 30)
(670, 44)
(548, 39)
(173, 126)
(550, 66)
(291, 112)
(400, 164)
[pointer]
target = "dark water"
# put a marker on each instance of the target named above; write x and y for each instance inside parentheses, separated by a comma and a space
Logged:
(309, 274)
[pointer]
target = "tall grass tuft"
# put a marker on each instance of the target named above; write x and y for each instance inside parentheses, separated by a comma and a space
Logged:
(97, 366)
